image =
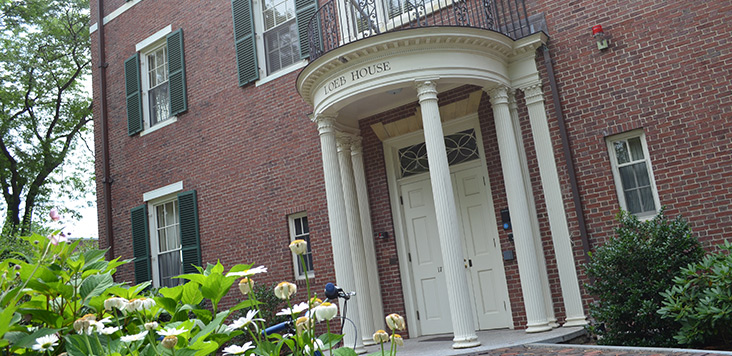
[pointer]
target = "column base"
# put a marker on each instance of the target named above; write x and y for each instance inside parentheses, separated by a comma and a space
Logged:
(538, 328)
(464, 343)
(553, 323)
(359, 349)
(576, 321)
(368, 342)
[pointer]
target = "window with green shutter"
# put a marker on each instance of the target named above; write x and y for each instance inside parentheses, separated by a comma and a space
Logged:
(156, 82)
(165, 238)
(281, 41)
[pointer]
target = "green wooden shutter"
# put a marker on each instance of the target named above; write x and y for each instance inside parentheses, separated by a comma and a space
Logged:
(141, 244)
(133, 93)
(246, 49)
(304, 11)
(176, 73)
(189, 239)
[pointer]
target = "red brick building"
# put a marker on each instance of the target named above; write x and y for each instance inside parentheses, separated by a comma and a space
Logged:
(227, 129)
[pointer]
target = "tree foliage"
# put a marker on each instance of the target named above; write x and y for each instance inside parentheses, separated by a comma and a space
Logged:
(44, 108)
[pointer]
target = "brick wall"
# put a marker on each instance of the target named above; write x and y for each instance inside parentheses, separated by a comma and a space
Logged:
(253, 156)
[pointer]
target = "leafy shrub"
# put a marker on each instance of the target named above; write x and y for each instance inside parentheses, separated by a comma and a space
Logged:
(630, 271)
(701, 300)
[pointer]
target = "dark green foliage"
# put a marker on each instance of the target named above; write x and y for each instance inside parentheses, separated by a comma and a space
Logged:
(630, 271)
(701, 300)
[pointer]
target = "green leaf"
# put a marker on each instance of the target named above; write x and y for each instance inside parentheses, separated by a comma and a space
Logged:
(210, 327)
(344, 351)
(174, 293)
(48, 317)
(168, 304)
(191, 293)
(95, 285)
(204, 347)
(198, 278)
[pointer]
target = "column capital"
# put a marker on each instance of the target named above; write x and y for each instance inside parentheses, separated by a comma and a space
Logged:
(356, 146)
(343, 140)
(326, 123)
(499, 95)
(512, 104)
(533, 93)
(426, 89)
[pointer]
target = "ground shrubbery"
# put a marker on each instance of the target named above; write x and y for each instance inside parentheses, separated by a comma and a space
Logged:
(631, 271)
(701, 301)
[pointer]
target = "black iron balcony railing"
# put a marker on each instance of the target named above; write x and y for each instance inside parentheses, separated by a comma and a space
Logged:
(339, 22)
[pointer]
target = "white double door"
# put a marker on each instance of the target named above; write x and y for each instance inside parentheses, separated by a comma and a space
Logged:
(481, 248)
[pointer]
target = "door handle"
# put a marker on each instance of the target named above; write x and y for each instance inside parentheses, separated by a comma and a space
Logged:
(470, 262)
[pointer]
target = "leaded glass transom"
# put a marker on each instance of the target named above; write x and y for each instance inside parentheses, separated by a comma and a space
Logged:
(460, 147)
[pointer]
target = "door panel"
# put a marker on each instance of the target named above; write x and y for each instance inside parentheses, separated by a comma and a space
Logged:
(426, 257)
(480, 236)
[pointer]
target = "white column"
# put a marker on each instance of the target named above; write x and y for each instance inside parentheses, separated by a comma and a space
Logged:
(536, 319)
(342, 261)
(363, 296)
(540, 258)
(447, 221)
(359, 174)
(555, 206)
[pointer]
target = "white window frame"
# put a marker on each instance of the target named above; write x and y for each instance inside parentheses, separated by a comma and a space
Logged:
(153, 199)
(293, 236)
(611, 140)
(265, 77)
(146, 47)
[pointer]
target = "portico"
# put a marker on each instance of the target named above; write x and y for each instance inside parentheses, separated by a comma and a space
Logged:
(382, 72)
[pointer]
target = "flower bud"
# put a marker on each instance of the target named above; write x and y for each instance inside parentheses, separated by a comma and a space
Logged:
(169, 342)
(285, 290)
(245, 285)
(299, 247)
(381, 337)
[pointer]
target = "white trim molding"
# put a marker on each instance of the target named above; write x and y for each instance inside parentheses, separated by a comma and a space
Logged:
(120, 10)
(163, 191)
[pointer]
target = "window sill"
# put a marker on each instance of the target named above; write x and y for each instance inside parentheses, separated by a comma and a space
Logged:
(311, 275)
(282, 72)
(159, 126)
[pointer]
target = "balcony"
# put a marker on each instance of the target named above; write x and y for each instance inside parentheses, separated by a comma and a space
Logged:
(338, 23)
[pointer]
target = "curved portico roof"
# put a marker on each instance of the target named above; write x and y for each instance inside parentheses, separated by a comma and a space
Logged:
(377, 73)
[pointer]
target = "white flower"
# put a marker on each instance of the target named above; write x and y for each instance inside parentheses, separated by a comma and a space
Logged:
(395, 321)
(380, 337)
(140, 304)
(169, 332)
(397, 340)
(116, 302)
(285, 290)
(299, 247)
(136, 337)
(248, 272)
(151, 325)
(238, 350)
(326, 311)
(244, 321)
(317, 345)
(46, 343)
(296, 309)
(109, 330)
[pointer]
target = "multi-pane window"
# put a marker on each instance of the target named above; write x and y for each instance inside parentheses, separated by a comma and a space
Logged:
(281, 41)
(299, 230)
(633, 174)
(157, 84)
(167, 248)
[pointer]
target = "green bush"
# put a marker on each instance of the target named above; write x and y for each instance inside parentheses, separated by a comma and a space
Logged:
(701, 300)
(630, 271)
